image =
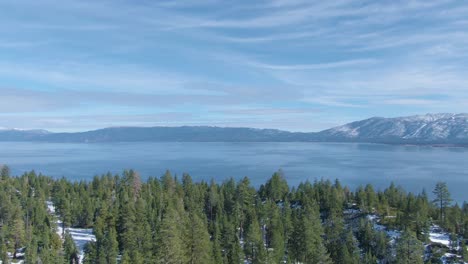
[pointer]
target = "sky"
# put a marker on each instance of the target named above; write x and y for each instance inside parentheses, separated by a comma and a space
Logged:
(297, 65)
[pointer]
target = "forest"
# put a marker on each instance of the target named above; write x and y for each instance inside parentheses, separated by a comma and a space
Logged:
(172, 219)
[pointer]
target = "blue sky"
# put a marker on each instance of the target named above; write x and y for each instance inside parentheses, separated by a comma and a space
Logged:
(298, 65)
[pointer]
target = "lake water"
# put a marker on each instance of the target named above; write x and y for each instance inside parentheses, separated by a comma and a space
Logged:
(413, 167)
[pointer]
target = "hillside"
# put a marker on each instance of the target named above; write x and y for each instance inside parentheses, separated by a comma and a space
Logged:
(450, 129)
(421, 129)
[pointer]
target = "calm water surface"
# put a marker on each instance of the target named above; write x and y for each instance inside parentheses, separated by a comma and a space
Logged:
(412, 167)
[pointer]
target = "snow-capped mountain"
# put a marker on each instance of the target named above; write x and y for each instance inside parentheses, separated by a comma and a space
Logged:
(451, 129)
(429, 128)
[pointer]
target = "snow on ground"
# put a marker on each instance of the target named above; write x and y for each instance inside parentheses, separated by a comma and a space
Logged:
(436, 235)
(80, 236)
(15, 261)
(391, 233)
(19, 255)
(450, 258)
(50, 207)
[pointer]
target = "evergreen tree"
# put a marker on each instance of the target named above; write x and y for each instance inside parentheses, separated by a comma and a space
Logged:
(232, 251)
(3, 244)
(198, 241)
(171, 244)
(307, 244)
(69, 247)
(253, 246)
(142, 229)
(276, 187)
(31, 252)
(275, 234)
(409, 249)
(126, 258)
(90, 253)
(368, 258)
(339, 243)
(442, 199)
(4, 172)
(464, 250)
(216, 253)
(165, 221)
(17, 235)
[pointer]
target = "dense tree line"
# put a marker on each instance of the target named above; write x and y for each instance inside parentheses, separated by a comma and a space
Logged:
(26, 227)
(175, 220)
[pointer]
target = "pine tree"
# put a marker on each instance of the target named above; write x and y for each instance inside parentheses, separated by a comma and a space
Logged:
(4, 172)
(464, 250)
(127, 223)
(110, 245)
(90, 253)
(69, 247)
(126, 258)
(368, 258)
(18, 234)
(381, 245)
(216, 236)
(307, 244)
(409, 249)
(442, 199)
(253, 246)
(232, 252)
(199, 241)
(336, 237)
(3, 248)
(171, 244)
(213, 201)
(142, 229)
(275, 234)
(276, 187)
(31, 252)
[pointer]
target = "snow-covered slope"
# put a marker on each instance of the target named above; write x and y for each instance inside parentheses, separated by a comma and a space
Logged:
(430, 128)
(423, 129)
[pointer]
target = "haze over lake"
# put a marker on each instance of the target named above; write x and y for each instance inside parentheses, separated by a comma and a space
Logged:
(413, 167)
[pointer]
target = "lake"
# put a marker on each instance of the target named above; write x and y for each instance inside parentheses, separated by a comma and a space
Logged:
(413, 167)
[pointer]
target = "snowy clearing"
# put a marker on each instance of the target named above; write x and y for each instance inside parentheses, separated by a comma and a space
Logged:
(80, 236)
(436, 235)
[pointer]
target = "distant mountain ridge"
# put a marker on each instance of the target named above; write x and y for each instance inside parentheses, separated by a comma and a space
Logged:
(419, 129)
(21, 135)
(158, 134)
(443, 129)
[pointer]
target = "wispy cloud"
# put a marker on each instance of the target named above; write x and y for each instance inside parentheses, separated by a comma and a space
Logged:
(412, 102)
(260, 63)
(317, 66)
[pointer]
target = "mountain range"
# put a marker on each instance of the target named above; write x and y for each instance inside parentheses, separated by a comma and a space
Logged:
(429, 129)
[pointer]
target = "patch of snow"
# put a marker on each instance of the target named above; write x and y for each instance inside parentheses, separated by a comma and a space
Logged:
(80, 236)
(14, 262)
(416, 133)
(436, 235)
(50, 207)
(347, 130)
(450, 258)
(372, 217)
(391, 233)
